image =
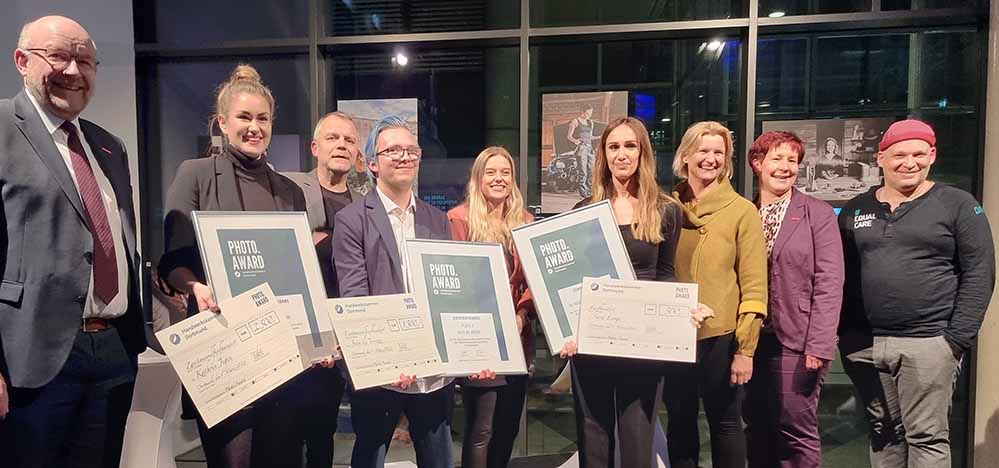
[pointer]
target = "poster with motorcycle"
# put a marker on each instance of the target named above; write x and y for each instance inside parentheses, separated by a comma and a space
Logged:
(571, 124)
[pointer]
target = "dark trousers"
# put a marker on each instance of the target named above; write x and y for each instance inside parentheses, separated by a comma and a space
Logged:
(302, 413)
(707, 381)
(78, 418)
(375, 412)
(492, 421)
(781, 412)
(615, 393)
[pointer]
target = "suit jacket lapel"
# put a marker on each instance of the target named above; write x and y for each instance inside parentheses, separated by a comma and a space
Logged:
(34, 130)
(383, 229)
(227, 194)
(314, 203)
(284, 200)
(792, 219)
(423, 230)
(104, 160)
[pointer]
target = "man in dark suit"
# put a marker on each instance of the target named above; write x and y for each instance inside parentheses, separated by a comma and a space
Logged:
(316, 395)
(71, 322)
(369, 241)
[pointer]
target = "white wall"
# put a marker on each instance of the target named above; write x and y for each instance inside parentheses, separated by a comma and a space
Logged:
(986, 402)
(110, 24)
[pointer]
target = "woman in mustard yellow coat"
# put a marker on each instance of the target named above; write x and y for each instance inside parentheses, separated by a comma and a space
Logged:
(722, 249)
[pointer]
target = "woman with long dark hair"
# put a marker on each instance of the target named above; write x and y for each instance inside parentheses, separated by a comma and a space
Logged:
(621, 394)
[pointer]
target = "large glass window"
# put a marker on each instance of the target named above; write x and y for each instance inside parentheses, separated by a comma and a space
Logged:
(362, 17)
(928, 75)
(198, 24)
(548, 13)
(925, 4)
(178, 99)
(670, 84)
(465, 94)
(839, 83)
(466, 99)
(780, 8)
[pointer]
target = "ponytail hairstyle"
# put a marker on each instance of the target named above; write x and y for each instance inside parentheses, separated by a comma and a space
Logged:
(244, 79)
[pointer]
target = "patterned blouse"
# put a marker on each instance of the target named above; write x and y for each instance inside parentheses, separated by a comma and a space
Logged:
(772, 216)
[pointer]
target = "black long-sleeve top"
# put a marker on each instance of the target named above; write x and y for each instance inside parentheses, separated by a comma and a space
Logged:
(655, 262)
(926, 269)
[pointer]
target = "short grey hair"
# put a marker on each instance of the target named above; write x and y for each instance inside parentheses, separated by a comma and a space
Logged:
(315, 132)
(23, 41)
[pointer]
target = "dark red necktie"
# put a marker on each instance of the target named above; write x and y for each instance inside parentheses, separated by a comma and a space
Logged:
(105, 263)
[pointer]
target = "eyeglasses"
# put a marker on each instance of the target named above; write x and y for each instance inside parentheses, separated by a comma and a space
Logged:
(396, 153)
(59, 60)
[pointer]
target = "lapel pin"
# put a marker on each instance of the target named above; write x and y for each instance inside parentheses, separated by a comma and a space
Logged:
(106, 150)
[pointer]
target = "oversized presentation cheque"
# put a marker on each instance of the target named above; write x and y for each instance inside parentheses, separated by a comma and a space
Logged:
(382, 337)
(558, 252)
(638, 319)
(228, 360)
(466, 288)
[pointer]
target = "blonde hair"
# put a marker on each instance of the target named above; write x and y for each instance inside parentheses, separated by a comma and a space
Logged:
(244, 79)
(647, 223)
(480, 227)
(692, 138)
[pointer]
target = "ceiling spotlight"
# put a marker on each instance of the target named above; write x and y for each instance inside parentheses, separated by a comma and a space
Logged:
(714, 45)
(665, 119)
(776, 14)
(400, 59)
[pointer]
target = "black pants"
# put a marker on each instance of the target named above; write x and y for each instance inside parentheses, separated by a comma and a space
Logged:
(492, 421)
(616, 393)
(78, 418)
(709, 381)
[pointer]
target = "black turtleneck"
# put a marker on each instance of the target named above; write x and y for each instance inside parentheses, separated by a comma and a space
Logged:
(255, 192)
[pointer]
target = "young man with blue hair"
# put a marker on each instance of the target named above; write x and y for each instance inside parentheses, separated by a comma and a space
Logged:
(369, 241)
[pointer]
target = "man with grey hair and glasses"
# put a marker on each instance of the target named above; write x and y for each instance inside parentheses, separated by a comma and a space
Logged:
(71, 323)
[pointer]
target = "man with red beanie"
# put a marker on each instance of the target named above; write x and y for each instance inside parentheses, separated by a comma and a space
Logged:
(920, 269)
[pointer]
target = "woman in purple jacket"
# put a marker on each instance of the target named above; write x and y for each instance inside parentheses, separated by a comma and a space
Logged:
(805, 259)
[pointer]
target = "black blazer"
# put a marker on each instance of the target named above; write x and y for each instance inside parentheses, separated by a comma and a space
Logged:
(209, 184)
(47, 248)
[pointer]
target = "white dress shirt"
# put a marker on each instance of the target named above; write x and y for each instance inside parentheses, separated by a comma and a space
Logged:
(403, 222)
(93, 307)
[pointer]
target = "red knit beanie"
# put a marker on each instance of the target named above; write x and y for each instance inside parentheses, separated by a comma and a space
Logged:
(910, 129)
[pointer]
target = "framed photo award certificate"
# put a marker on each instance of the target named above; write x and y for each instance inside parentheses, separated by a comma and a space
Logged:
(242, 250)
(466, 288)
(558, 252)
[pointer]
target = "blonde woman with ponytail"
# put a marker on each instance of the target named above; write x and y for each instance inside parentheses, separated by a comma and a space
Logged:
(620, 393)
(493, 207)
(236, 179)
